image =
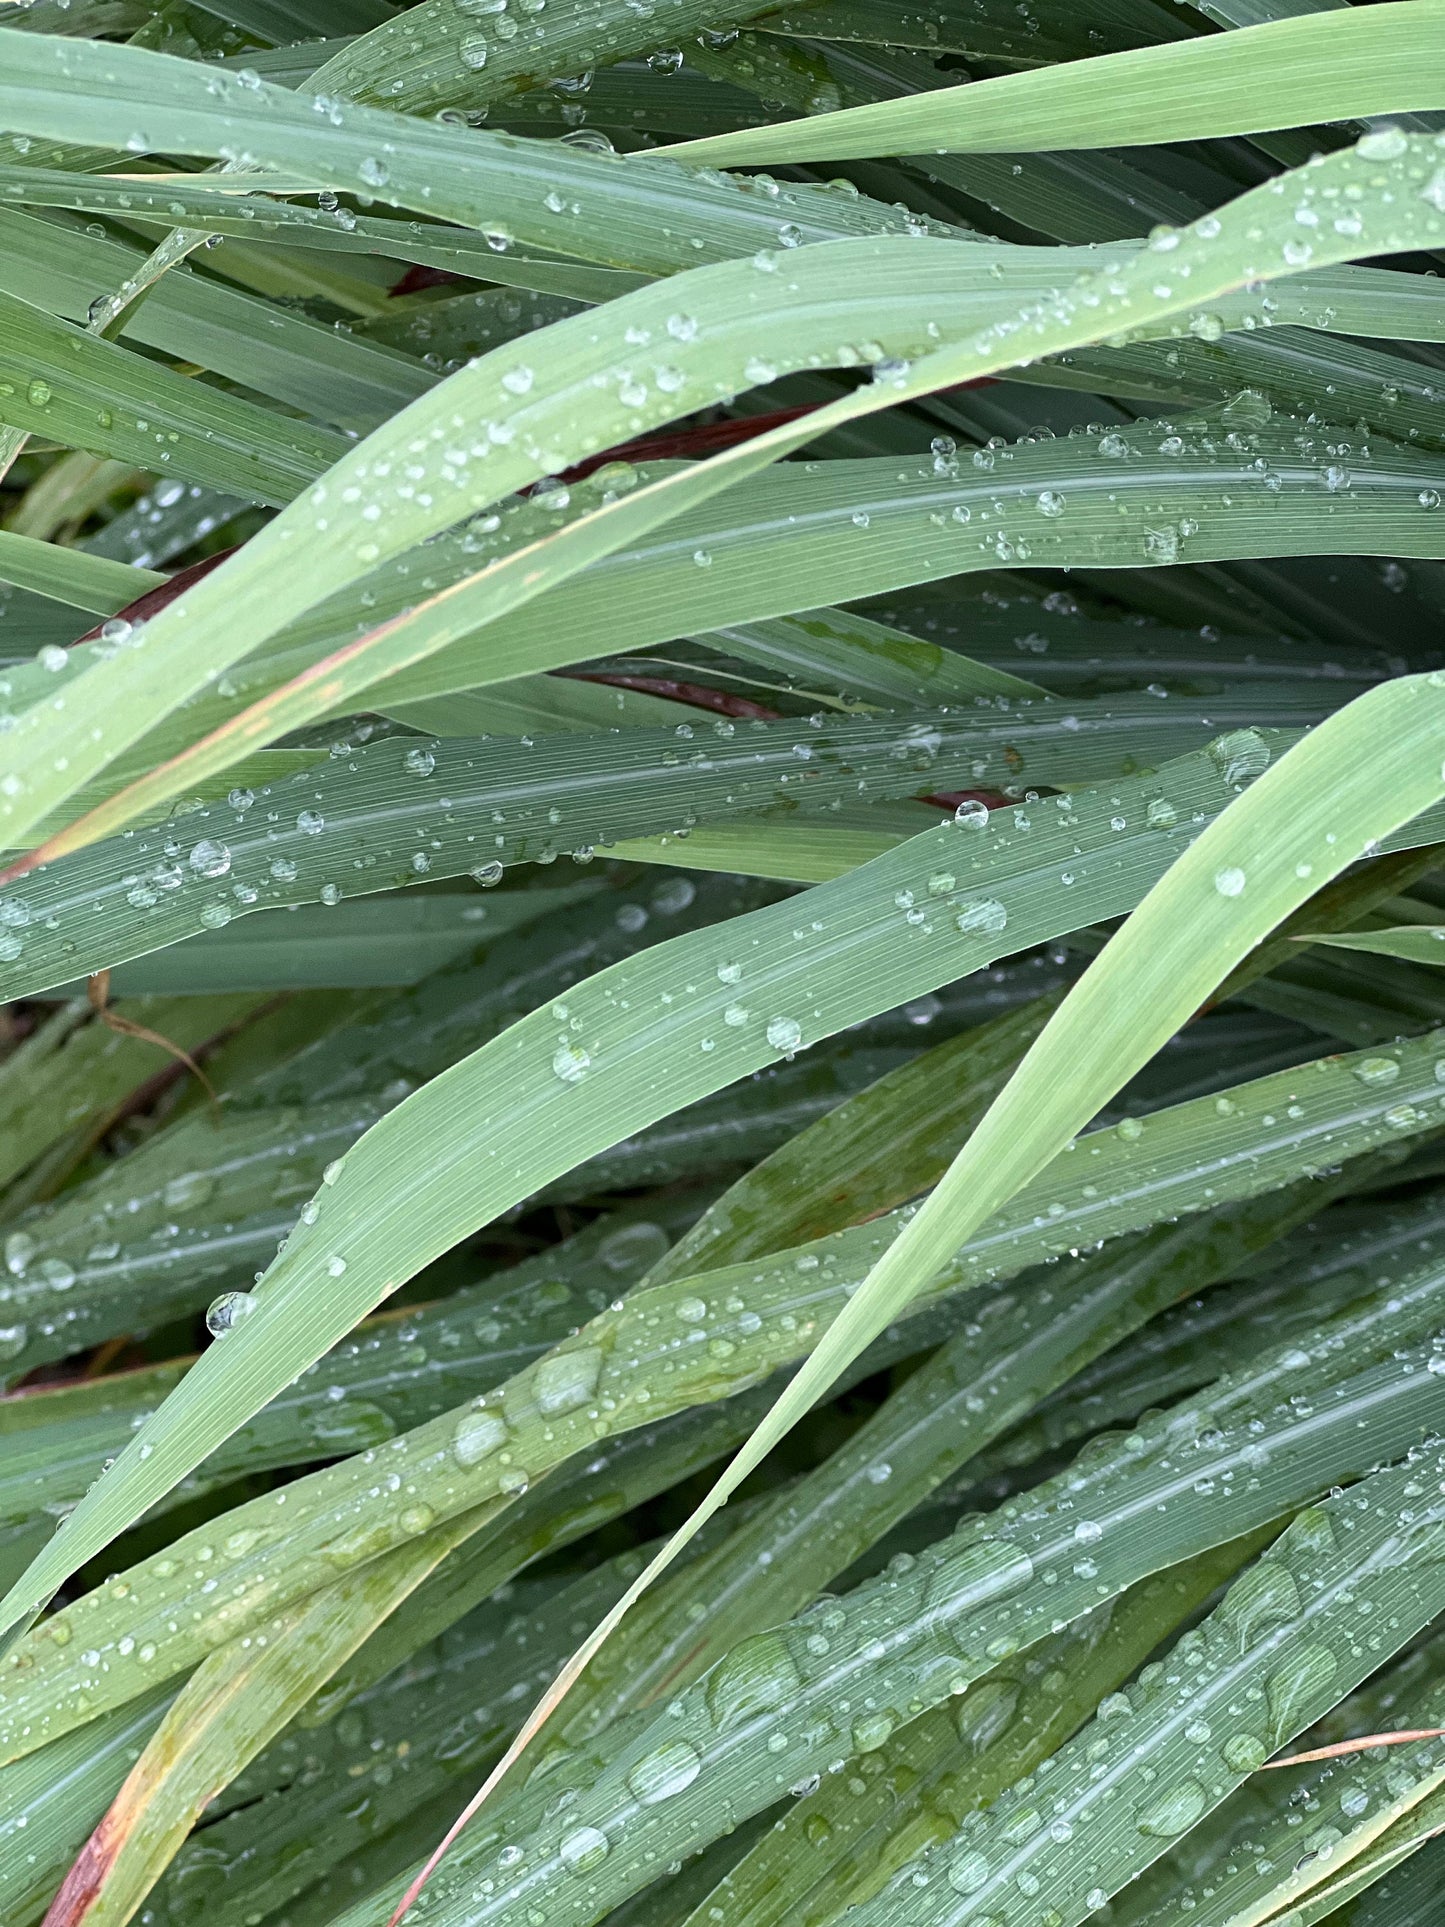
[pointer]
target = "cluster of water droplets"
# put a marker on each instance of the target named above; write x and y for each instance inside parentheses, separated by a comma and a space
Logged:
(1279, 1650)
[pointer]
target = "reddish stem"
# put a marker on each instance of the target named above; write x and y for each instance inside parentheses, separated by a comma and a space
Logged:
(720, 701)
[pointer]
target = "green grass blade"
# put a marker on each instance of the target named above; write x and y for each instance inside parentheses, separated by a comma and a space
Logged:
(1291, 73)
(425, 166)
(448, 1709)
(230, 1707)
(758, 561)
(1416, 943)
(1184, 1347)
(1018, 1346)
(58, 267)
(57, 379)
(436, 60)
(1286, 1627)
(1085, 316)
(520, 1080)
(921, 521)
(866, 658)
(872, 1153)
(554, 1118)
(399, 811)
(70, 576)
(1095, 1057)
(791, 1298)
(402, 1370)
(1370, 1793)
(838, 1846)
(1407, 1863)
(1204, 917)
(50, 1802)
(969, 1601)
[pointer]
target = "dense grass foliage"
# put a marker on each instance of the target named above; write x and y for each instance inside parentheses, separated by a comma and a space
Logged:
(722, 885)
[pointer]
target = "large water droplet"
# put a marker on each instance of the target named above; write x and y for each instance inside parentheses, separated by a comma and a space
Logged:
(1240, 755)
(1265, 1595)
(968, 1871)
(982, 914)
(970, 1574)
(228, 1311)
(570, 1063)
(665, 1772)
(584, 1849)
(632, 1248)
(566, 1380)
(1376, 1071)
(1174, 1810)
(758, 1675)
(785, 1034)
(1244, 1753)
(477, 1436)
(1297, 1687)
(210, 858)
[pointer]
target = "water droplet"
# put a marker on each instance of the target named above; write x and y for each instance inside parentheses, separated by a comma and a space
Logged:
(1240, 755)
(872, 1731)
(663, 1773)
(1376, 1071)
(1244, 1753)
(190, 1188)
(477, 1436)
(982, 914)
(1174, 1810)
(570, 1062)
(228, 1311)
(1263, 1595)
(785, 1034)
(584, 1849)
(632, 1248)
(1230, 881)
(210, 858)
(968, 1575)
(968, 1871)
(566, 1380)
(984, 1712)
(1382, 144)
(420, 761)
(1297, 1687)
(755, 1677)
